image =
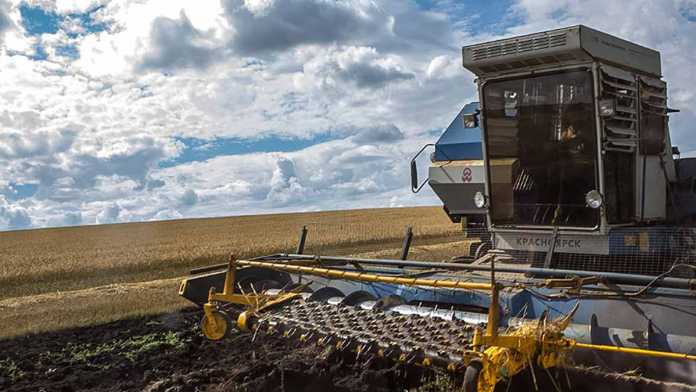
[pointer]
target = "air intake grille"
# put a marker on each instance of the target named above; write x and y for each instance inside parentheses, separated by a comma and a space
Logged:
(518, 46)
(620, 129)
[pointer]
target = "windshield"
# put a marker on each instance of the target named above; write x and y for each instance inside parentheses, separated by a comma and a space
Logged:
(541, 146)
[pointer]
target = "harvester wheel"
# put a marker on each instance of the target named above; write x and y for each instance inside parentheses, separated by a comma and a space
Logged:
(482, 249)
(471, 376)
(218, 328)
(472, 248)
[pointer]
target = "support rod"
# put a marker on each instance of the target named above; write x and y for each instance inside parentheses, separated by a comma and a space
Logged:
(406, 246)
(679, 283)
(632, 279)
(635, 351)
(303, 239)
(366, 277)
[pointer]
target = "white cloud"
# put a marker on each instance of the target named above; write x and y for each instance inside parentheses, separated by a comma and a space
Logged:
(77, 6)
(140, 29)
(89, 134)
(443, 67)
(361, 67)
(13, 216)
(189, 198)
(6, 23)
(166, 214)
(271, 26)
(67, 218)
(109, 214)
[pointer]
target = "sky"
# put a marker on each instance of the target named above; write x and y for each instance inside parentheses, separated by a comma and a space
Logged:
(133, 110)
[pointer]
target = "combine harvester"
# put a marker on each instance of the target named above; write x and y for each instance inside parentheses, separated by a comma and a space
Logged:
(589, 211)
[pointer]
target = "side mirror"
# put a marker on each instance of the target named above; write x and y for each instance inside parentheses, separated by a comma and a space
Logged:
(415, 186)
(607, 107)
(471, 120)
(414, 175)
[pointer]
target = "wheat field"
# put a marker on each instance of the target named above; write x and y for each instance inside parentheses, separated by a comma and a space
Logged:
(70, 277)
(40, 261)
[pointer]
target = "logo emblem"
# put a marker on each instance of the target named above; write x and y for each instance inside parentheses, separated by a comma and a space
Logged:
(466, 175)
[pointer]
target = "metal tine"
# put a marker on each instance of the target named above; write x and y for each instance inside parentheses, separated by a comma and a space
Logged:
(523, 312)
(253, 337)
(358, 351)
(565, 371)
(256, 295)
(246, 296)
(553, 380)
(509, 384)
(241, 290)
(308, 337)
(531, 370)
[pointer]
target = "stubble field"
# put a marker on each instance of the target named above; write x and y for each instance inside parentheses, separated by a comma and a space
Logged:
(97, 274)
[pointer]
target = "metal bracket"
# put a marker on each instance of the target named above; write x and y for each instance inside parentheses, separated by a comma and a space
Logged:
(552, 248)
(406, 246)
(575, 283)
(303, 239)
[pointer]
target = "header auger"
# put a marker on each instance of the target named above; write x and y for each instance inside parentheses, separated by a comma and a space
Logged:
(582, 213)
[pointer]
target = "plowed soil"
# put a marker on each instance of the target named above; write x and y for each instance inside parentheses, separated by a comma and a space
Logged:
(168, 353)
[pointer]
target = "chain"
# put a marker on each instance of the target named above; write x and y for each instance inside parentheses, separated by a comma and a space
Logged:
(408, 338)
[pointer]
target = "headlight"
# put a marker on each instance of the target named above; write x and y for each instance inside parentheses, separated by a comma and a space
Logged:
(593, 199)
(480, 200)
(607, 107)
(470, 120)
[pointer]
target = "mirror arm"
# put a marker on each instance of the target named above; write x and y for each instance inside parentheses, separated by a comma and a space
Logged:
(415, 186)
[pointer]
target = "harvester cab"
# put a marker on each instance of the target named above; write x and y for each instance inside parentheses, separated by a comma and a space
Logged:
(579, 166)
(591, 271)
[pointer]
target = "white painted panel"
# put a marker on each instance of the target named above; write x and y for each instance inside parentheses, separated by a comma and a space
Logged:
(457, 172)
(655, 189)
(541, 242)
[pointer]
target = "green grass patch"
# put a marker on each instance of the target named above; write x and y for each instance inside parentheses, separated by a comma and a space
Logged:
(105, 355)
(10, 370)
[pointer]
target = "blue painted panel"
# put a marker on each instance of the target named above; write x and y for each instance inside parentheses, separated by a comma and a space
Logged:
(641, 240)
(459, 143)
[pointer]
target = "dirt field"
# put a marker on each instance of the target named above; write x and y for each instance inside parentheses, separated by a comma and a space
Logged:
(166, 353)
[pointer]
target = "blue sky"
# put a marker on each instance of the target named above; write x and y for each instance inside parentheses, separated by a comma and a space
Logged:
(37, 21)
(115, 111)
(197, 150)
